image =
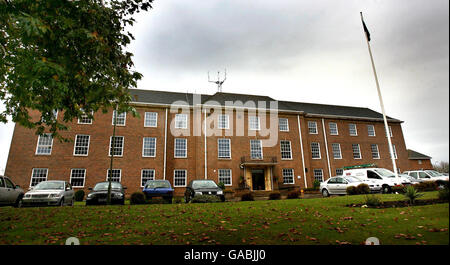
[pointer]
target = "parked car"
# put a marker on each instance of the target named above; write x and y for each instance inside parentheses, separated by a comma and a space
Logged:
(158, 188)
(99, 193)
(10, 194)
(203, 187)
(384, 177)
(50, 192)
(338, 185)
(429, 175)
(411, 178)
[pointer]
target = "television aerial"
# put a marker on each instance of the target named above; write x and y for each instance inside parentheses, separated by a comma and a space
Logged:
(219, 82)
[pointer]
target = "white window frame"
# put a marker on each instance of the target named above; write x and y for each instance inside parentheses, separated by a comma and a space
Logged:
(32, 175)
(333, 150)
(394, 150)
(71, 177)
(251, 122)
(185, 177)
(75, 145)
(150, 178)
(144, 148)
(312, 127)
(283, 171)
(122, 149)
(390, 131)
(175, 148)
(286, 120)
(260, 147)
(369, 131)
(85, 116)
(229, 148)
(285, 151)
(312, 151)
(183, 122)
(148, 119)
(226, 120)
(230, 176)
(377, 151)
(44, 146)
(120, 174)
(317, 170)
(350, 129)
(332, 129)
(359, 151)
(119, 118)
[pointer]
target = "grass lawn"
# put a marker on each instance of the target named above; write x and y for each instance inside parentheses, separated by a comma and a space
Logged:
(298, 221)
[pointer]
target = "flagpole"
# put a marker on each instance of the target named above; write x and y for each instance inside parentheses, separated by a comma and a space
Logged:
(391, 150)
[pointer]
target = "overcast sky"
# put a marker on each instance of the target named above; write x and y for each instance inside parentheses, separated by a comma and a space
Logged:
(305, 51)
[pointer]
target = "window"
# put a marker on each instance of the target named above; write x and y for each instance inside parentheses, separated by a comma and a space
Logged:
(256, 149)
(288, 176)
(180, 147)
(253, 122)
(44, 145)
(224, 148)
(333, 128)
(149, 147)
(54, 116)
(115, 175)
(181, 121)
(286, 152)
(283, 124)
(336, 149)
(315, 150)
(179, 178)
(375, 152)
(151, 119)
(38, 175)
(118, 145)
(318, 175)
(223, 121)
(147, 174)
(84, 119)
(81, 147)
(312, 127)
(371, 130)
(121, 118)
(339, 171)
(390, 131)
(77, 176)
(419, 162)
(394, 151)
(356, 151)
(225, 176)
(352, 129)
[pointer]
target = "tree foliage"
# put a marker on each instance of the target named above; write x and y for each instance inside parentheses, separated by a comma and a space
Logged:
(441, 166)
(65, 55)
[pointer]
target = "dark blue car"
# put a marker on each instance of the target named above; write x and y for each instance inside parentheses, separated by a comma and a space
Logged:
(158, 188)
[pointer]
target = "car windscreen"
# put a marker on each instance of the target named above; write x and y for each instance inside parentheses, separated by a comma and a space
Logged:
(157, 184)
(352, 179)
(433, 173)
(203, 184)
(104, 186)
(384, 172)
(50, 185)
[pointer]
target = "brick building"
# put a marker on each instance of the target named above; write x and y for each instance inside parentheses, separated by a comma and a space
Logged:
(418, 161)
(225, 137)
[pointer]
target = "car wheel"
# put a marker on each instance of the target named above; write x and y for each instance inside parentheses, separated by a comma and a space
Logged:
(386, 189)
(187, 198)
(222, 198)
(71, 202)
(61, 202)
(18, 203)
(325, 193)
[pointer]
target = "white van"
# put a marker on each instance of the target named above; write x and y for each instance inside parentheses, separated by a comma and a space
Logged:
(384, 177)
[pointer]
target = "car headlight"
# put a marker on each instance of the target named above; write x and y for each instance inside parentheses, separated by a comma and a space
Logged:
(118, 195)
(27, 196)
(219, 192)
(198, 193)
(90, 195)
(55, 195)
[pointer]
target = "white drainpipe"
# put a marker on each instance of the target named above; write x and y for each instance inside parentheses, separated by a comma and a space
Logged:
(206, 157)
(301, 148)
(326, 147)
(165, 145)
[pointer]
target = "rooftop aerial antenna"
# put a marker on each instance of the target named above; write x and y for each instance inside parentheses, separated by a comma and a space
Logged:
(218, 82)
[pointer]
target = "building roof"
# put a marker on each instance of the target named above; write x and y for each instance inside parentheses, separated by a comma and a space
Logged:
(416, 155)
(167, 98)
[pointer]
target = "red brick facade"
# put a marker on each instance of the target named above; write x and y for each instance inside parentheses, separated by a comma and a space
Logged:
(23, 158)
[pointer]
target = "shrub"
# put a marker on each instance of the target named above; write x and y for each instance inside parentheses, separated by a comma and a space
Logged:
(352, 190)
(177, 200)
(411, 194)
(247, 197)
(399, 189)
(316, 184)
(363, 188)
(275, 196)
(137, 198)
(372, 200)
(205, 199)
(293, 194)
(221, 185)
(79, 195)
(444, 194)
(426, 186)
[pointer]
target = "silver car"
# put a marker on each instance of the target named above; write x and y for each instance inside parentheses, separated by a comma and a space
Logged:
(53, 192)
(10, 194)
(338, 185)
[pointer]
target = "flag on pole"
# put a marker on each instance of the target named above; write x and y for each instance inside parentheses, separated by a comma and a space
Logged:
(365, 29)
